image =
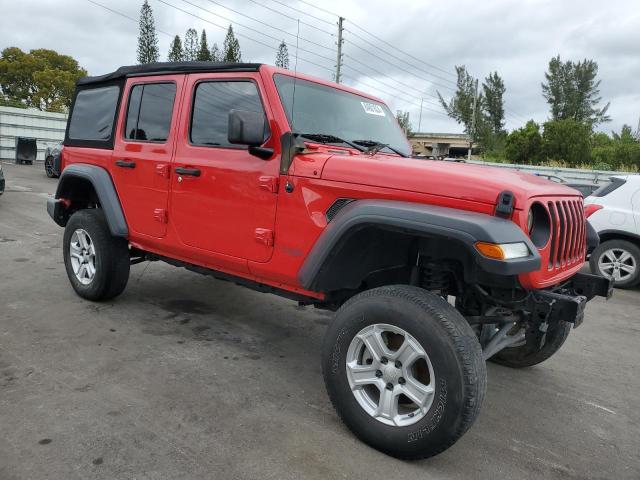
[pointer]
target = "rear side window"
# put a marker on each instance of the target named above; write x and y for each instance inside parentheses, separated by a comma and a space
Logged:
(605, 190)
(149, 112)
(211, 105)
(93, 114)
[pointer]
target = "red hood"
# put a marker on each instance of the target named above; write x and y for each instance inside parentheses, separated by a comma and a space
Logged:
(476, 183)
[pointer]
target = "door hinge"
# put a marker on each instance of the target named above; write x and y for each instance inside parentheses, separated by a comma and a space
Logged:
(264, 235)
(269, 183)
(162, 170)
(161, 215)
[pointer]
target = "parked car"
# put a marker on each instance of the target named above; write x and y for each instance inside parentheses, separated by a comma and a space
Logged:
(52, 157)
(614, 211)
(208, 167)
(2, 181)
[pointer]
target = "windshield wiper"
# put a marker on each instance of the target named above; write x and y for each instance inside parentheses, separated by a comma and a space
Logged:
(374, 147)
(326, 138)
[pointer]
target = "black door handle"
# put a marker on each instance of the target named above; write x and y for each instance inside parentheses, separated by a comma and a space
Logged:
(194, 172)
(125, 164)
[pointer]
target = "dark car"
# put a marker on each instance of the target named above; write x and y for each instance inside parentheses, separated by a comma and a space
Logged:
(1, 180)
(52, 160)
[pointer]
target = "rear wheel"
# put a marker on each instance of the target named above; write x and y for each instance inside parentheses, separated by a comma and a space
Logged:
(97, 263)
(617, 259)
(404, 371)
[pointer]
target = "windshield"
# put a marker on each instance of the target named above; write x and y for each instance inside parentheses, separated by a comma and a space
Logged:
(322, 110)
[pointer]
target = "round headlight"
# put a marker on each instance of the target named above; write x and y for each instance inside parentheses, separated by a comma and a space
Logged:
(530, 219)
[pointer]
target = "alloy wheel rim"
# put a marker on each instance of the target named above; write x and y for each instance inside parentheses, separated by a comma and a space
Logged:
(82, 253)
(618, 264)
(390, 375)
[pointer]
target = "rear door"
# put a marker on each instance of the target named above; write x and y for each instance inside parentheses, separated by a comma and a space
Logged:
(635, 200)
(143, 150)
(223, 199)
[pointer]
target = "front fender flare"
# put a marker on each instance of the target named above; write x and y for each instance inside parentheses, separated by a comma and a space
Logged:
(102, 184)
(420, 220)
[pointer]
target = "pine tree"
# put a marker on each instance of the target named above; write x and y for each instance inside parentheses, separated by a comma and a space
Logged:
(231, 48)
(493, 103)
(282, 58)
(191, 47)
(175, 50)
(147, 38)
(216, 55)
(203, 54)
(572, 91)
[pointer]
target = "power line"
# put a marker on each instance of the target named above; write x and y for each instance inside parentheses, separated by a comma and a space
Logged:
(243, 26)
(243, 35)
(379, 39)
(292, 18)
(303, 12)
(124, 15)
(408, 63)
(264, 23)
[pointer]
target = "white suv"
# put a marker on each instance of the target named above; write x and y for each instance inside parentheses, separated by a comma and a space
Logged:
(614, 211)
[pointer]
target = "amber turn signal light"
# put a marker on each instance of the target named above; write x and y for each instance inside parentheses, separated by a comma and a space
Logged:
(503, 251)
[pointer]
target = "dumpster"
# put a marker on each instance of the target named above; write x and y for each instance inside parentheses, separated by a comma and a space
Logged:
(26, 150)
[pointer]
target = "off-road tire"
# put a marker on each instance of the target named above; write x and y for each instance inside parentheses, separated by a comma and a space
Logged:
(453, 349)
(111, 259)
(530, 354)
(632, 248)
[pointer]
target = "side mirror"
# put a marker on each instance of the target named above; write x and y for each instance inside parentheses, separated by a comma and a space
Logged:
(246, 128)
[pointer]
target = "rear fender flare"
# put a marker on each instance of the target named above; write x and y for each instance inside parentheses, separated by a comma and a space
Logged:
(105, 191)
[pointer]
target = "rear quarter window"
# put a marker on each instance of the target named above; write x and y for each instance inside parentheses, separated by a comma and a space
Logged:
(605, 190)
(93, 116)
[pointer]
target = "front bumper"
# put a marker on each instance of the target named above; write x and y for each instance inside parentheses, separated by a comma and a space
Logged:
(567, 302)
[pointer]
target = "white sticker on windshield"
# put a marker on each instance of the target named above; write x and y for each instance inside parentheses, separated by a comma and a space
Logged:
(373, 109)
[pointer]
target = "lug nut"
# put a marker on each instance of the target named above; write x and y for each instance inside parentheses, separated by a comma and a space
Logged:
(402, 381)
(389, 386)
(378, 373)
(384, 360)
(398, 364)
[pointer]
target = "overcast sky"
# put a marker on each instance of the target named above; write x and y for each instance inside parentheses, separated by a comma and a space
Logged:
(514, 37)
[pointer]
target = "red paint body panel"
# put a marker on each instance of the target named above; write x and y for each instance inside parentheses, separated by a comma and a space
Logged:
(237, 218)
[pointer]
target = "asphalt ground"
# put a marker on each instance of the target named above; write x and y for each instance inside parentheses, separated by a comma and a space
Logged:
(184, 376)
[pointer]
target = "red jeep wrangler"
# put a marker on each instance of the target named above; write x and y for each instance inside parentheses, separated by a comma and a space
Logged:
(295, 186)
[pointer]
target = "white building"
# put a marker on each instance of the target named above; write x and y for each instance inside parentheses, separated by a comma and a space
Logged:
(46, 127)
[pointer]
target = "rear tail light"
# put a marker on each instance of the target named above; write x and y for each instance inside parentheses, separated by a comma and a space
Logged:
(591, 209)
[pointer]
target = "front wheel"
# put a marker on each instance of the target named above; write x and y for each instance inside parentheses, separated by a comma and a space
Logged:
(97, 263)
(404, 371)
(49, 168)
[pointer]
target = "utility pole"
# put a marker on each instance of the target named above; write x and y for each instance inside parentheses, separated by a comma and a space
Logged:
(472, 133)
(420, 117)
(340, 42)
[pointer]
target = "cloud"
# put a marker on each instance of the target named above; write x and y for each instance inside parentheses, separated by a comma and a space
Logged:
(514, 38)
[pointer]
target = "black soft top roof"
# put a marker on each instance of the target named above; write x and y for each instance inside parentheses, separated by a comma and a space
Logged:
(166, 68)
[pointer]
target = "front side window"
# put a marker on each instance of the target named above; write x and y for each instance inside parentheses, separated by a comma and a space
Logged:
(150, 111)
(322, 111)
(211, 105)
(93, 114)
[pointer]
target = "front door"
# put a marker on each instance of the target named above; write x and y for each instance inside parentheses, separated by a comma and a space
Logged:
(143, 150)
(223, 199)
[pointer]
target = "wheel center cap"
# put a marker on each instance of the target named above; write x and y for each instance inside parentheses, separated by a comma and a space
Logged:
(390, 373)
